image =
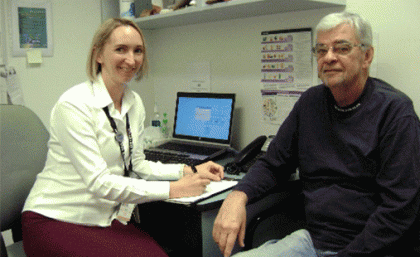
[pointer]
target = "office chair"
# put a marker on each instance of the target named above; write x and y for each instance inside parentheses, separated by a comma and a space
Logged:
(276, 222)
(23, 144)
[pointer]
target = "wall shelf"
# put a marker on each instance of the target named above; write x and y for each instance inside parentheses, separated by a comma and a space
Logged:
(231, 10)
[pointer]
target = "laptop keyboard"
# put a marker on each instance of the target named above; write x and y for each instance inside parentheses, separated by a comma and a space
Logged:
(166, 157)
(185, 148)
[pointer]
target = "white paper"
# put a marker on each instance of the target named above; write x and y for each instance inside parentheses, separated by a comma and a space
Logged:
(200, 77)
(14, 89)
(3, 91)
(213, 188)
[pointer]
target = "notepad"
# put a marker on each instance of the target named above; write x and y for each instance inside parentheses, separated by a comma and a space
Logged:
(215, 187)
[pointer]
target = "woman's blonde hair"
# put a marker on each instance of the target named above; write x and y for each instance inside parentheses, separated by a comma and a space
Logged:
(99, 40)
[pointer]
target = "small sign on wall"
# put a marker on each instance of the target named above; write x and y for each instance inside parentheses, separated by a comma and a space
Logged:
(200, 76)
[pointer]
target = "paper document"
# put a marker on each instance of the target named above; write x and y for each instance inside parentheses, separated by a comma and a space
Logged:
(213, 188)
(14, 89)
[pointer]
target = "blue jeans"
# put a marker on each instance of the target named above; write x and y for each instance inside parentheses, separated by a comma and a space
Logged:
(297, 244)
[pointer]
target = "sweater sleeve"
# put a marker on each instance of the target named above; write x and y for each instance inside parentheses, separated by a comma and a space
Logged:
(276, 166)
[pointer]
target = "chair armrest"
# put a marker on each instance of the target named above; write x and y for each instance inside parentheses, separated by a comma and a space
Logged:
(277, 222)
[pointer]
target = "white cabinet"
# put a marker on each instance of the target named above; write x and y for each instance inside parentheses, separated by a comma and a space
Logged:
(235, 9)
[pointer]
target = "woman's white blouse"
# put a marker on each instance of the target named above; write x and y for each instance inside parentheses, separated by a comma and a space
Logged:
(82, 181)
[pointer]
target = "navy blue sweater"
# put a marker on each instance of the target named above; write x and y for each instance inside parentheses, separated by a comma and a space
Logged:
(360, 169)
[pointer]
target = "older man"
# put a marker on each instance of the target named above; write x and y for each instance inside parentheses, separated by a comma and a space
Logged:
(356, 142)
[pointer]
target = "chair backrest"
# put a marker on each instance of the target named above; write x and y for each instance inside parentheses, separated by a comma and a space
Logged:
(23, 145)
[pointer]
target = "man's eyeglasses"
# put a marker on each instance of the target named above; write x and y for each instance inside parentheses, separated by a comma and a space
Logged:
(344, 48)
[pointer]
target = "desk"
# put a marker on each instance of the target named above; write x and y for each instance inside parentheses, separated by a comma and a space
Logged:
(187, 229)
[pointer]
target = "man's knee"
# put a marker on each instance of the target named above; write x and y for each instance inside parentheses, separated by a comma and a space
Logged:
(299, 243)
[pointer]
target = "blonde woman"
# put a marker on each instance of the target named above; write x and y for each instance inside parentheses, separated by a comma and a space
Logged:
(96, 172)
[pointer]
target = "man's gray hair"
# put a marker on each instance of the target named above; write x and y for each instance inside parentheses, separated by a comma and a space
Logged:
(362, 27)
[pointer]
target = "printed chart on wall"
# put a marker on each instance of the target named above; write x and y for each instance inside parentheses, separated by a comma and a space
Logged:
(286, 71)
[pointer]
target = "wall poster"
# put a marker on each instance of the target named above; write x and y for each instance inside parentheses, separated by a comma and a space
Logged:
(286, 71)
(32, 27)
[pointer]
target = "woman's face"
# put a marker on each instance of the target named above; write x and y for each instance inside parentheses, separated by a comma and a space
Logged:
(122, 56)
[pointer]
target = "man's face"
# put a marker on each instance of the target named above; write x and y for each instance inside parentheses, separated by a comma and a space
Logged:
(341, 70)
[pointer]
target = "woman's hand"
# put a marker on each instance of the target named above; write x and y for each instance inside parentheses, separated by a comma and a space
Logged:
(189, 185)
(210, 170)
(193, 184)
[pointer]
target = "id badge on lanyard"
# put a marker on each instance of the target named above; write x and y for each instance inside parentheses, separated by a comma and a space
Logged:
(125, 210)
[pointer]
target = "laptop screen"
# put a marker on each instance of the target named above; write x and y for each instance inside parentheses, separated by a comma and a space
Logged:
(205, 117)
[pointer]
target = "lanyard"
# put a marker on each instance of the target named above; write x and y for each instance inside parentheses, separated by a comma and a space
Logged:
(119, 138)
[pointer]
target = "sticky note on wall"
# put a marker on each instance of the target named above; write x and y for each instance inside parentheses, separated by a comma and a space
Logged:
(34, 56)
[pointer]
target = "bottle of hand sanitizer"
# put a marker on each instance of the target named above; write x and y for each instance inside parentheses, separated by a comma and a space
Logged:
(164, 125)
(156, 117)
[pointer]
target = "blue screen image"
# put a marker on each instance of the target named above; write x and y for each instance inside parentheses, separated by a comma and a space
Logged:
(204, 117)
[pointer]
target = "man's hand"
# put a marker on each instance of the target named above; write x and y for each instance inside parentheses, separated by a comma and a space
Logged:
(230, 222)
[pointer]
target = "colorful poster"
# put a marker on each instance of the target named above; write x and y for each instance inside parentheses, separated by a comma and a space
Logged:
(277, 104)
(286, 71)
(32, 27)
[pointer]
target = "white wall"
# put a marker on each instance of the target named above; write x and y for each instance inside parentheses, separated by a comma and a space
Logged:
(398, 26)
(233, 50)
(231, 47)
(74, 23)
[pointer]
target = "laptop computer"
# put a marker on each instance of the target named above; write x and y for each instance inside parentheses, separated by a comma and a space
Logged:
(202, 125)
